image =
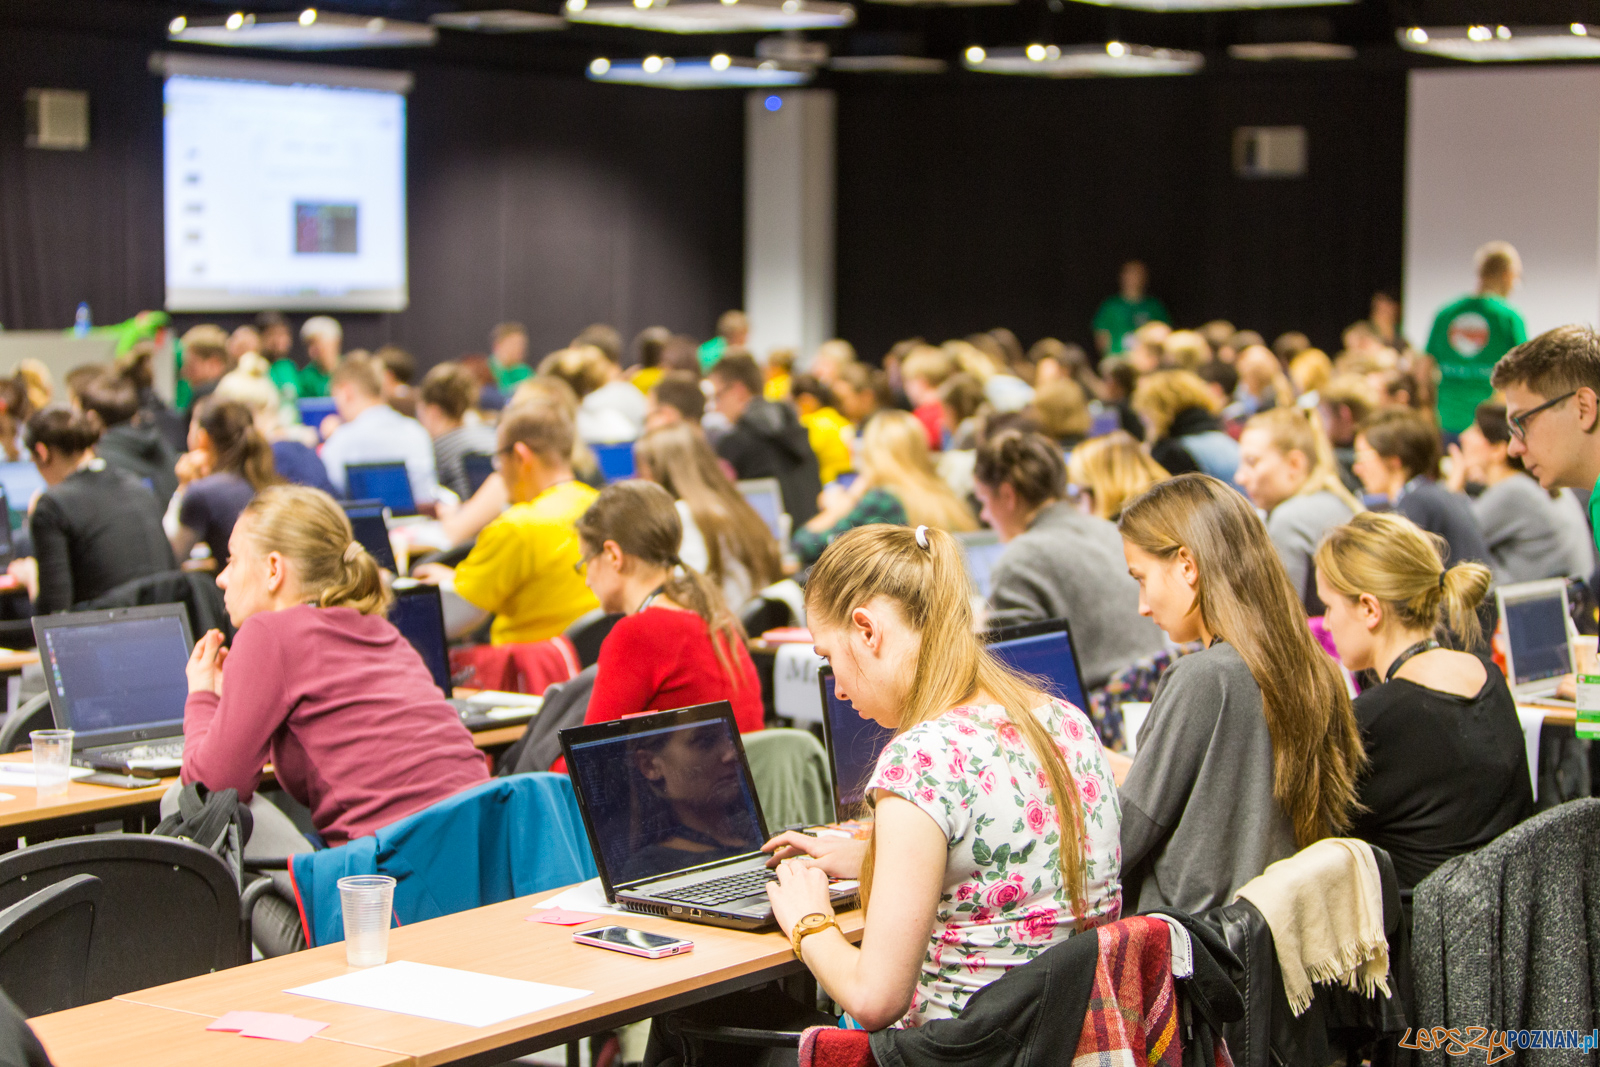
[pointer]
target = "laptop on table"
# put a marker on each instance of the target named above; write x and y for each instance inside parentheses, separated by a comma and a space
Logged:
(116, 678)
(387, 483)
(673, 817)
(1538, 651)
(417, 611)
(1043, 649)
(371, 528)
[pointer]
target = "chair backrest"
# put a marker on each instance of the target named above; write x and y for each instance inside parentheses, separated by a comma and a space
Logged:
(169, 908)
(44, 945)
(790, 768)
(34, 714)
(197, 592)
(565, 705)
(588, 633)
(760, 614)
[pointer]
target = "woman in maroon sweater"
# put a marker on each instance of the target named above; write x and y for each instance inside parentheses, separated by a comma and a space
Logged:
(679, 645)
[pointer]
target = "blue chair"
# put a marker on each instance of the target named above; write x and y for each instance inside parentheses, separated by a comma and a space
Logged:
(506, 838)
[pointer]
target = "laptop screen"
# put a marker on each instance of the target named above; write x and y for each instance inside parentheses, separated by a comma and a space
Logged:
(21, 480)
(366, 522)
(662, 798)
(419, 616)
(764, 495)
(1536, 627)
(616, 461)
(854, 745)
(1044, 650)
(386, 482)
(981, 551)
(118, 675)
(477, 467)
(313, 409)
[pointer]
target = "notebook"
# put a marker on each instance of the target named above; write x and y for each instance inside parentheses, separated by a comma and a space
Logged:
(1538, 651)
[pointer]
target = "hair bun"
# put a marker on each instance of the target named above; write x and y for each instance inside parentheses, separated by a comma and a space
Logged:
(352, 551)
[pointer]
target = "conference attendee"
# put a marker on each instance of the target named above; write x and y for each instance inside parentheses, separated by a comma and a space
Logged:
(1184, 430)
(1384, 318)
(373, 432)
(447, 396)
(205, 361)
(1343, 403)
(127, 442)
(679, 644)
(1250, 751)
(889, 609)
(830, 433)
(1551, 387)
(610, 410)
(294, 460)
(95, 526)
(1059, 563)
(1470, 335)
(1262, 384)
(1447, 768)
(860, 392)
(320, 685)
(227, 464)
(525, 566)
(1518, 519)
(602, 335)
(779, 375)
(1062, 413)
(1119, 316)
(1286, 467)
(962, 405)
(733, 333)
(277, 340)
(243, 341)
(1107, 472)
(675, 398)
(724, 538)
(1397, 460)
(324, 341)
(648, 348)
(923, 371)
(508, 356)
(831, 358)
(764, 440)
(397, 371)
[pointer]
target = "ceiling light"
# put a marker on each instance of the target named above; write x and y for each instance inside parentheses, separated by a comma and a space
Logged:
(1087, 61)
(577, 5)
(1209, 5)
(721, 62)
(309, 30)
(667, 73)
(599, 66)
(503, 20)
(1115, 48)
(1305, 50)
(1503, 44)
(890, 64)
(716, 16)
(975, 55)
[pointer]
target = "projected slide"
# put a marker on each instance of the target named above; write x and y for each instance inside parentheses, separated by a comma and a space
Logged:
(283, 191)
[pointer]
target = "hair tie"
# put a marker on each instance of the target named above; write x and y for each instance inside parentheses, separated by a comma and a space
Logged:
(351, 551)
(922, 538)
(1442, 577)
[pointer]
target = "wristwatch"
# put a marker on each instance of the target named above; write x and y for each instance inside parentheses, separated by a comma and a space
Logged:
(808, 925)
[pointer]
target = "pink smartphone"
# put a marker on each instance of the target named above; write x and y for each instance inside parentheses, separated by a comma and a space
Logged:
(634, 942)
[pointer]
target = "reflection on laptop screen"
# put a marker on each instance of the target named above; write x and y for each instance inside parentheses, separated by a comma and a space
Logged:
(854, 745)
(663, 800)
(419, 617)
(769, 505)
(386, 482)
(1537, 629)
(1049, 656)
(366, 522)
(119, 675)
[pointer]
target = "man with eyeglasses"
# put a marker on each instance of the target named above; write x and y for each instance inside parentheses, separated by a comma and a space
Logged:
(1552, 390)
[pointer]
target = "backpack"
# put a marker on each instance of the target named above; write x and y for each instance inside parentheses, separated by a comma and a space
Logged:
(214, 821)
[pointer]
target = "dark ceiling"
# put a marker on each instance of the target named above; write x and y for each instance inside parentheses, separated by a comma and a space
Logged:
(881, 28)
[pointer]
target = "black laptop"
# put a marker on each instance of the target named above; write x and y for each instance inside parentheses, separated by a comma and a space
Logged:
(370, 525)
(1045, 650)
(854, 744)
(385, 482)
(418, 613)
(673, 817)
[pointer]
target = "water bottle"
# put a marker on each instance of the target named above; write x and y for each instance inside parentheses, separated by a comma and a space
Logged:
(81, 323)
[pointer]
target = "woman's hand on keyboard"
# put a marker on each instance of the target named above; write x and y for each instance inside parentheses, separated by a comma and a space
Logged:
(838, 857)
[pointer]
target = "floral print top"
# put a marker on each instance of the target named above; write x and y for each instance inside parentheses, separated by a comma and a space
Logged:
(1003, 902)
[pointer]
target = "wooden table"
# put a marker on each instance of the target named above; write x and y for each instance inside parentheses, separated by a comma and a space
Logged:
(11, 660)
(491, 940)
(77, 811)
(497, 736)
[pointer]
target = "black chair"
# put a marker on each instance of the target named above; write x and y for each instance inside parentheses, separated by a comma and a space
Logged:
(197, 592)
(169, 909)
(588, 632)
(44, 945)
(33, 714)
(760, 614)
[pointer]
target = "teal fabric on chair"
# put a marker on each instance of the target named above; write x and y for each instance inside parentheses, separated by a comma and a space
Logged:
(791, 772)
(506, 838)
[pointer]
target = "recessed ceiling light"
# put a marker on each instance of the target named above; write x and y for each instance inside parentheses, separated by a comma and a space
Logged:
(1086, 61)
(292, 31)
(665, 73)
(1210, 5)
(503, 20)
(1503, 44)
(712, 16)
(1305, 50)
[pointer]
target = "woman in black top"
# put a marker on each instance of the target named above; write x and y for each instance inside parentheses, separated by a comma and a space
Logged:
(1448, 769)
(96, 526)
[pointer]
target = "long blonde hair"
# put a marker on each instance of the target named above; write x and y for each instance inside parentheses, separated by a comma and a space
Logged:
(894, 456)
(1162, 396)
(1389, 557)
(929, 588)
(1114, 469)
(1297, 429)
(1244, 598)
(309, 529)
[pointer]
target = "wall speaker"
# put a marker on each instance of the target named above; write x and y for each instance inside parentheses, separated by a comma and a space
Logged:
(58, 118)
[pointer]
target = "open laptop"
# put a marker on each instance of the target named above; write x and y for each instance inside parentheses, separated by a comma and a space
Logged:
(385, 482)
(981, 549)
(766, 496)
(5, 528)
(477, 467)
(1043, 649)
(116, 678)
(371, 528)
(313, 409)
(854, 744)
(1538, 652)
(418, 613)
(673, 817)
(616, 461)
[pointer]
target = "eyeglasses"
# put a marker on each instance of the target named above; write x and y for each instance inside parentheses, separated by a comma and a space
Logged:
(1519, 422)
(578, 567)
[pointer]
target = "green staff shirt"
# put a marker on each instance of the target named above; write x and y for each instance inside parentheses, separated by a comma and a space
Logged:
(286, 376)
(1594, 514)
(1467, 340)
(312, 381)
(506, 379)
(1119, 317)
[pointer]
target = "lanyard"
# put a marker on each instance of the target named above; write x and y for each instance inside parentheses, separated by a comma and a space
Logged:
(657, 591)
(1415, 650)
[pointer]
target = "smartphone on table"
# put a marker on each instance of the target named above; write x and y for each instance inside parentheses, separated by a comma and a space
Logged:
(634, 942)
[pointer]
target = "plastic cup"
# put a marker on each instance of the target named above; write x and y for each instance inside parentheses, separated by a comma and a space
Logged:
(52, 761)
(368, 901)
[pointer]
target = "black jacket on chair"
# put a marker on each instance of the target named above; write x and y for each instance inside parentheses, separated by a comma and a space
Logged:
(769, 442)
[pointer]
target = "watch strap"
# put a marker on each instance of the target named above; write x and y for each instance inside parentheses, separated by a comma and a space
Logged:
(805, 927)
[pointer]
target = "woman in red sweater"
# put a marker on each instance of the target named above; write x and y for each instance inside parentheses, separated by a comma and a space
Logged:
(679, 645)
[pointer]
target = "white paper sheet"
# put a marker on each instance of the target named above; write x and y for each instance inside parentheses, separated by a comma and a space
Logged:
(585, 896)
(14, 773)
(1532, 720)
(443, 993)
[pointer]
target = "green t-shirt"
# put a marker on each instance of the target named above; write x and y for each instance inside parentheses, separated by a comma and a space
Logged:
(710, 352)
(312, 381)
(286, 376)
(506, 379)
(1467, 340)
(1594, 514)
(1120, 317)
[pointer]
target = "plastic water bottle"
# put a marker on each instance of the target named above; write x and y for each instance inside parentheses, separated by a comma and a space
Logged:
(82, 322)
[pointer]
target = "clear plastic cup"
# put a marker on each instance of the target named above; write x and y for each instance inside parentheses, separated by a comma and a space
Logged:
(52, 761)
(368, 901)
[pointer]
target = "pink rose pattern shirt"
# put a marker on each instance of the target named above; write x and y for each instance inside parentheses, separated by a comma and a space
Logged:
(1003, 902)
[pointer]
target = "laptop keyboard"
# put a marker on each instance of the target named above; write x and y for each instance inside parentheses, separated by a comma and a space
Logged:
(721, 890)
(158, 750)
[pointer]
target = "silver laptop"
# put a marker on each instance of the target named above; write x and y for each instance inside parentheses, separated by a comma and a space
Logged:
(766, 496)
(673, 817)
(1538, 651)
(116, 679)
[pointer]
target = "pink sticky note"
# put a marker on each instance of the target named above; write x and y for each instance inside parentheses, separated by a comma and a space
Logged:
(238, 1020)
(559, 917)
(282, 1028)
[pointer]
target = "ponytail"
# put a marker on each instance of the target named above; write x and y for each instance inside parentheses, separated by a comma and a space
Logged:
(239, 447)
(309, 529)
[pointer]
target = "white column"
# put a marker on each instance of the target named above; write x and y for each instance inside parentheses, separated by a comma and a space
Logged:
(789, 221)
